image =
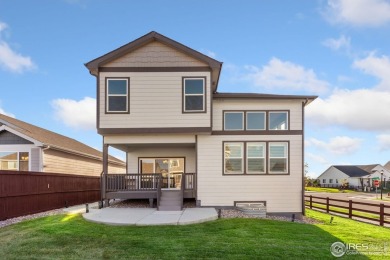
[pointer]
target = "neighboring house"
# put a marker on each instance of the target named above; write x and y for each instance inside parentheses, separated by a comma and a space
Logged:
(157, 101)
(357, 176)
(26, 147)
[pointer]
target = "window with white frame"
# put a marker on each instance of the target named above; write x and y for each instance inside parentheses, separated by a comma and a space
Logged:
(278, 121)
(278, 157)
(117, 95)
(234, 121)
(330, 180)
(323, 180)
(194, 93)
(234, 158)
(14, 161)
(255, 120)
(255, 157)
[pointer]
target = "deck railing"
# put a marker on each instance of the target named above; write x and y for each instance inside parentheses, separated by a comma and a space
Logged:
(144, 182)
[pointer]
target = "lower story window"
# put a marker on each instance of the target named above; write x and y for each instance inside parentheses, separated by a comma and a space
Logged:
(323, 180)
(13, 161)
(253, 158)
(278, 157)
(255, 162)
(234, 158)
(330, 180)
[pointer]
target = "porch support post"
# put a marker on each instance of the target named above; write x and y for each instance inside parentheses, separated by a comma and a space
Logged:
(104, 176)
(151, 202)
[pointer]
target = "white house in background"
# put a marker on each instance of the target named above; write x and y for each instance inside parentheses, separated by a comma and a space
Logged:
(357, 176)
(157, 101)
(26, 147)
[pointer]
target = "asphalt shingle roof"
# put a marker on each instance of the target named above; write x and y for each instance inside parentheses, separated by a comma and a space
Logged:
(352, 170)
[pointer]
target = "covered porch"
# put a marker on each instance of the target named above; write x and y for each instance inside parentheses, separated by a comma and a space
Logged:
(159, 168)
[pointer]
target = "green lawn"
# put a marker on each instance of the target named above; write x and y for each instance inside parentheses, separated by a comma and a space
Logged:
(331, 190)
(71, 237)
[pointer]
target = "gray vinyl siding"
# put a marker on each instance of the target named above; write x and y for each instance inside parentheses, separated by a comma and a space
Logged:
(10, 138)
(35, 159)
(155, 101)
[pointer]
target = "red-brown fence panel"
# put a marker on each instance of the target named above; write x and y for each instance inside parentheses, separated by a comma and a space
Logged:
(23, 193)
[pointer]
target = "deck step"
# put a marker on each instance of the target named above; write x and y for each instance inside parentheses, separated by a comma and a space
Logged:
(170, 200)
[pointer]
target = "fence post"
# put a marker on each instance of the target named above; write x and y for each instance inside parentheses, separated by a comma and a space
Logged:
(381, 214)
(327, 204)
(311, 201)
(350, 209)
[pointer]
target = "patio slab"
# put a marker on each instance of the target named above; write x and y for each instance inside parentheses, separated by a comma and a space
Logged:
(150, 217)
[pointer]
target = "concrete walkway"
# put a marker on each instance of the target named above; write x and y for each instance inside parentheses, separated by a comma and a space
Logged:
(145, 216)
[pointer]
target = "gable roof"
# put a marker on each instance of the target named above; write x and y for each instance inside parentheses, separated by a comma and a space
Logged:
(352, 170)
(46, 138)
(214, 65)
(387, 166)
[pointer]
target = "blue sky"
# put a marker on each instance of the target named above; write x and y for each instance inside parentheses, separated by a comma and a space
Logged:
(339, 50)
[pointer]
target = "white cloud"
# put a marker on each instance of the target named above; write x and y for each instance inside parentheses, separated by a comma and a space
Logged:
(383, 142)
(338, 145)
(364, 13)
(209, 53)
(377, 66)
(285, 75)
(76, 114)
(10, 59)
(336, 44)
(363, 109)
(2, 111)
(317, 158)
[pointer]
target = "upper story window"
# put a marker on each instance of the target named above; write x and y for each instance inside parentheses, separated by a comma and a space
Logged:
(255, 120)
(194, 95)
(117, 95)
(278, 120)
(234, 120)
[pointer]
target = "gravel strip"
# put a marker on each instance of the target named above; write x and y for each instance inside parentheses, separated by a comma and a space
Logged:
(225, 213)
(11, 221)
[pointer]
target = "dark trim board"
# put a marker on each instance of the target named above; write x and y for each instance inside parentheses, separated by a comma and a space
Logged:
(261, 96)
(164, 130)
(259, 132)
(154, 69)
(131, 195)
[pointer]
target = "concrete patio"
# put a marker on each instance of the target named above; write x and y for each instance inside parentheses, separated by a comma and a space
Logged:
(145, 216)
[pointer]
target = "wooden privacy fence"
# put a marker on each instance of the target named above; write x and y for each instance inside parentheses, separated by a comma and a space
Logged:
(23, 193)
(368, 211)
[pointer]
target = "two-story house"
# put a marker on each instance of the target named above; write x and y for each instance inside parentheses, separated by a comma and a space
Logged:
(157, 100)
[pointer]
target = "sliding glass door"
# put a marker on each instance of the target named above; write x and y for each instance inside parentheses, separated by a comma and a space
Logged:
(171, 170)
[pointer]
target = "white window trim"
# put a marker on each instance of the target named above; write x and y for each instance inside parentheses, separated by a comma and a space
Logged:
(233, 112)
(278, 112)
(242, 144)
(18, 158)
(117, 95)
(256, 112)
(285, 144)
(247, 157)
(185, 95)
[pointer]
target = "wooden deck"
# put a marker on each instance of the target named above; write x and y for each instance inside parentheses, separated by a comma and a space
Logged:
(144, 186)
